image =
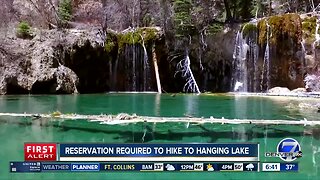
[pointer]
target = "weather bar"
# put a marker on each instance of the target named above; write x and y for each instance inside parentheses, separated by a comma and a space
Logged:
(32, 167)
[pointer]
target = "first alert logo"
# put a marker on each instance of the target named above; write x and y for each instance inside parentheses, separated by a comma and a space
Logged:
(119, 167)
(40, 152)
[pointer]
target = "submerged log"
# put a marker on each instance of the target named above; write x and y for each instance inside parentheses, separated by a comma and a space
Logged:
(124, 118)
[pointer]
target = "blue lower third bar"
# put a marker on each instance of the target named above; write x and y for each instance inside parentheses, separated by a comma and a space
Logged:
(289, 167)
(85, 166)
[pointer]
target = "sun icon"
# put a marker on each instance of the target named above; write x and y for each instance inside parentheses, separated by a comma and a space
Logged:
(210, 167)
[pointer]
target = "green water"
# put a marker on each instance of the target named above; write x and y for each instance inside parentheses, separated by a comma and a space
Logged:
(15, 131)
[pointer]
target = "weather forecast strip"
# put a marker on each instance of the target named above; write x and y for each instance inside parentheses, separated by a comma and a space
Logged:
(248, 152)
(41, 167)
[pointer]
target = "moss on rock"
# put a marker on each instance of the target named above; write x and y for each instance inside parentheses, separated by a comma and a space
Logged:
(287, 25)
(309, 29)
(135, 37)
(262, 28)
(111, 42)
(247, 28)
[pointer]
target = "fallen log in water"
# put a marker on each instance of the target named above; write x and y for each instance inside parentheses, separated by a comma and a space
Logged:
(124, 118)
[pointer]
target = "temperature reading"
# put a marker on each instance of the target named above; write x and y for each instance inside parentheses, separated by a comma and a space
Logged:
(289, 166)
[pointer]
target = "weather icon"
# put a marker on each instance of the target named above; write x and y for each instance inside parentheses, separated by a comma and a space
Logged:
(210, 167)
(250, 167)
(169, 167)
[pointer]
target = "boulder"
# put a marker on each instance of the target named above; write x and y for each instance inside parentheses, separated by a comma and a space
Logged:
(310, 61)
(312, 82)
(279, 90)
(299, 90)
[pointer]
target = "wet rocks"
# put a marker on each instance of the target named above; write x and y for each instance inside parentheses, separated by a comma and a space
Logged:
(299, 90)
(312, 82)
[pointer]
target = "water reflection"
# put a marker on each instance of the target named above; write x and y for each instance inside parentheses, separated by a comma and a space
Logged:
(241, 107)
(191, 105)
(157, 104)
(240, 111)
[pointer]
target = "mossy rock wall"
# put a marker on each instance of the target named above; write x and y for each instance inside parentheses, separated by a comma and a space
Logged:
(287, 26)
(312, 46)
(284, 38)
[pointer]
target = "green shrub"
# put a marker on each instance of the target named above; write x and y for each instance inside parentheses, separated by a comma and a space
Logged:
(24, 30)
(65, 11)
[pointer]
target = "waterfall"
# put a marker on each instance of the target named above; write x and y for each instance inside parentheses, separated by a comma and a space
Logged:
(317, 36)
(134, 77)
(146, 67)
(266, 63)
(75, 87)
(245, 57)
(132, 69)
(302, 47)
(317, 29)
(114, 74)
(304, 53)
(255, 64)
(201, 49)
(239, 64)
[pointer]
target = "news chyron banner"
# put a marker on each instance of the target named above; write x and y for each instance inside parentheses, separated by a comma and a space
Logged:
(159, 152)
(51, 157)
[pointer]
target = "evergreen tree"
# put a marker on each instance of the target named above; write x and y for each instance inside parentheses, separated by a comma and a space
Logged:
(65, 11)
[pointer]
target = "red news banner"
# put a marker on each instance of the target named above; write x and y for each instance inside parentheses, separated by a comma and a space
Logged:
(40, 152)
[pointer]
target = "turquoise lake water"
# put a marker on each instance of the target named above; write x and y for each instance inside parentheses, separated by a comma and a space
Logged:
(15, 131)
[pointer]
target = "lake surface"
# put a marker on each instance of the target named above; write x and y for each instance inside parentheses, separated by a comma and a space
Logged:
(15, 131)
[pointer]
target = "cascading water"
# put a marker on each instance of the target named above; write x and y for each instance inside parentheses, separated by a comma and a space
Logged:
(146, 66)
(132, 67)
(239, 56)
(303, 54)
(317, 36)
(255, 54)
(134, 77)
(245, 57)
(266, 64)
(303, 48)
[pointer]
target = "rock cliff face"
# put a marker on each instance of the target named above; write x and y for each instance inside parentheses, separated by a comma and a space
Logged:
(276, 51)
(80, 61)
(37, 65)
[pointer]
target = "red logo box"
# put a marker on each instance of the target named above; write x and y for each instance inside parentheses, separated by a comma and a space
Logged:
(40, 152)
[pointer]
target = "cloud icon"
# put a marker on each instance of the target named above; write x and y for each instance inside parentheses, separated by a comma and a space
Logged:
(170, 167)
(250, 166)
(210, 167)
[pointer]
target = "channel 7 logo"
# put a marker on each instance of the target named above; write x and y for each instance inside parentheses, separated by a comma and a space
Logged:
(288, 150)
